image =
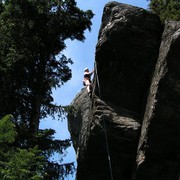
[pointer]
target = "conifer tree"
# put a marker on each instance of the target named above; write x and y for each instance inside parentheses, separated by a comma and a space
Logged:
(166, 9)
(33, 34)
(17, 163)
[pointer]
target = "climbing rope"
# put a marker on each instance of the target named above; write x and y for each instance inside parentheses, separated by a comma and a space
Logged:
(104, 126)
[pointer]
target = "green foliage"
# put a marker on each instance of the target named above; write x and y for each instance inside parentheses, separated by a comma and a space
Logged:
(23, 164)
(33, 34)
(31, 163)
(7, 130)
(166, 9)
(16, 163)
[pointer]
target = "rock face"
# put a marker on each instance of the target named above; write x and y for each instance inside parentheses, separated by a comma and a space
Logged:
(130, 128)
(159, 145)
(126, 54)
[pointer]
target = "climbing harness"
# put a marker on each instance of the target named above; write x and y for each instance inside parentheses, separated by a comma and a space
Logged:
(104, 126)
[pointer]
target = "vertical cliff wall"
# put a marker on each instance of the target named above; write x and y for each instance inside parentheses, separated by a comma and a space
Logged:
(126, 108)
(159, 145)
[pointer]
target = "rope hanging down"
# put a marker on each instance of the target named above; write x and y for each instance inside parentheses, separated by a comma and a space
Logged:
(104, 126)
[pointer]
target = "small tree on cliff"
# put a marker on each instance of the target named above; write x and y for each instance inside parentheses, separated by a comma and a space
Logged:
(32, 35)
(166, 9)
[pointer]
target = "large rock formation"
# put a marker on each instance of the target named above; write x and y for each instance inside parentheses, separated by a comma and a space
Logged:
(129, 129)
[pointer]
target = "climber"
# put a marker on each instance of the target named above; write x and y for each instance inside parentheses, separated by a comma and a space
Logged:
(87, 80)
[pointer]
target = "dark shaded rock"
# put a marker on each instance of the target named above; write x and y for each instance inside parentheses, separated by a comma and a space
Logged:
(121, 129)
(79, 118)
(126, 54)
(159, 147)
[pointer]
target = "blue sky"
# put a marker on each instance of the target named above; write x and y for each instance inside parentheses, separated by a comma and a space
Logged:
(83, 55)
